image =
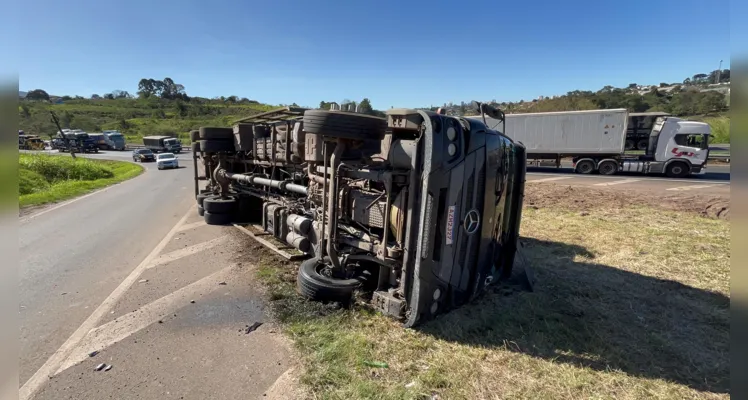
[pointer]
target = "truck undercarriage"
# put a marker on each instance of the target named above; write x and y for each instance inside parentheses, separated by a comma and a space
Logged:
(418, 212)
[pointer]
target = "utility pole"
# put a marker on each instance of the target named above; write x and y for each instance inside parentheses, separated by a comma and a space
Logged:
(719, 72)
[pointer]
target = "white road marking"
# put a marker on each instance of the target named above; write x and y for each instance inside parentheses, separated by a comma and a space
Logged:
(187, 251)
(684, 188)
(113, 331)
(622, 181)
(555, 178)
(55, 361)
(187, 227)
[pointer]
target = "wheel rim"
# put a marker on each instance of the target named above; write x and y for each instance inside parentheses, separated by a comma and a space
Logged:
(607, 168)
(677, 170)
(585, 167)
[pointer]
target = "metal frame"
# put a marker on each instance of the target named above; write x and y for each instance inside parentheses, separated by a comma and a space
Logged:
(277, 115)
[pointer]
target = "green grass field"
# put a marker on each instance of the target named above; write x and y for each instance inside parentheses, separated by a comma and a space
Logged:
(134, 117)
(50, 178)
(619, 311)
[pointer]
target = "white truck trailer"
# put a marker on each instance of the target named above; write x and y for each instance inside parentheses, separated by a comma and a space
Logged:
(595, 141)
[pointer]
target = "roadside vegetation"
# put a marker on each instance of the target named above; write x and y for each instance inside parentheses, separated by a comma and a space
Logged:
(48, 178)
(627, 304)
(163, 107)
(720, 129)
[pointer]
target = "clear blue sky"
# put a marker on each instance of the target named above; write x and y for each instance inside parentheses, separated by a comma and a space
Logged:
(396, 53)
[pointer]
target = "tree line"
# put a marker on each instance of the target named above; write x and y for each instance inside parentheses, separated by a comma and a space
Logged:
(693, 97)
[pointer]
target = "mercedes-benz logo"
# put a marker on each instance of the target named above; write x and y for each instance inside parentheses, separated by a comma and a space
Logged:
(471, 222)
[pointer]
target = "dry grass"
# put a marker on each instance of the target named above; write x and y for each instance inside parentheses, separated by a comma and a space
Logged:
(628, 304)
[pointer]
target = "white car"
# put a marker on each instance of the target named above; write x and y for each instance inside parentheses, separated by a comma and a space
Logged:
(167, 160)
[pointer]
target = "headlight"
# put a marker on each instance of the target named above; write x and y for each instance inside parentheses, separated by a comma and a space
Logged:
(451, 149)
(451, 133)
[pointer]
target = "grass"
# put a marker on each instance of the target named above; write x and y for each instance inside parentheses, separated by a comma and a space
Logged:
(47, 178)
(135, 118)
(720, 129)
(627, 305)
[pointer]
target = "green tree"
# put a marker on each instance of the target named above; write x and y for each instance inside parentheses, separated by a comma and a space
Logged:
(711, 101)
(37, 94)
(146, 88)
(180, 108)
(364, 107)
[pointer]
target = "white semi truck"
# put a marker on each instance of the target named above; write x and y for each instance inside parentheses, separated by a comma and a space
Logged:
(595, 140)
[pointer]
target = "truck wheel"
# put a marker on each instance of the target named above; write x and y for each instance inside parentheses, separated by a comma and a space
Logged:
(630, 145)
(607, 168)
(194, 136)
(642, 144)
(314, 283)
(202, 196)
(585, 167)
(344, 125)
(218, 205)
(195, 147)
(216, 134)
(214, 146)
(677, 170)
(200, 211)
(217, 219)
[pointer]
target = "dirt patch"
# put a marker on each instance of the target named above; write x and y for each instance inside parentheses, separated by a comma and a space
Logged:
(584, 199)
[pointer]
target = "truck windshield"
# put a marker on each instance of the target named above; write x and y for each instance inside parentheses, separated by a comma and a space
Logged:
(700, 141)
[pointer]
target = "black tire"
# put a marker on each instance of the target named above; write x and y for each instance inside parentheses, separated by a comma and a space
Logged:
(314, 285)
(215, 146)
(201, 198)
(218, 205)
(226, 134)
(607, 167)
(677, 170)
(344, 125)
(194, 135)
(200, 211)
(630, 145)
(217, 219)
(585, 167)
(642, 144)
(195, 147)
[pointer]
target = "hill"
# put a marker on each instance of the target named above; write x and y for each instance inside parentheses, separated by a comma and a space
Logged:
(698, 95)
(135, 117)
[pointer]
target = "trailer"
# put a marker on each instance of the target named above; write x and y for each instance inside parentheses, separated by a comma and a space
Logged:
(160, 144)
(595, 140)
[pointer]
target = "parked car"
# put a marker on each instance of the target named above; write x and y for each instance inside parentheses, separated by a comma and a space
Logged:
(143, 155)
(166, 160)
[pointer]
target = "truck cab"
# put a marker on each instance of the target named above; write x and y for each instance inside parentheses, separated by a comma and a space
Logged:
(116, 139)
(418, 210)
(678, 147)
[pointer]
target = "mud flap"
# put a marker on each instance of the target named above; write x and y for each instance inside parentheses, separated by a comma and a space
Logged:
(522, 273)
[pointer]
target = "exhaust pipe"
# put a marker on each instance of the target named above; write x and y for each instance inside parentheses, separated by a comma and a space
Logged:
(332, 207)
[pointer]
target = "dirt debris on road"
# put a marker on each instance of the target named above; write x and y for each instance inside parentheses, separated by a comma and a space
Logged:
(584, 199)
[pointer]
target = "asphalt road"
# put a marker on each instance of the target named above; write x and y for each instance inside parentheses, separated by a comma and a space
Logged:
(716, 181)
(131, 276)
(73, 256)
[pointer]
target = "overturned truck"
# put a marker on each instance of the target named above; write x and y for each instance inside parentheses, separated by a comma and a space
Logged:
(417, 211)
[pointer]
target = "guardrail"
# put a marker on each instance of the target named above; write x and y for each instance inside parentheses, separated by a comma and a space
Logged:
(725, 159)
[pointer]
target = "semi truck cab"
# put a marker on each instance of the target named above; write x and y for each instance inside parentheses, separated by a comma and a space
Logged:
(678, 147)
